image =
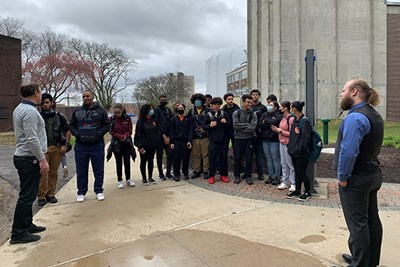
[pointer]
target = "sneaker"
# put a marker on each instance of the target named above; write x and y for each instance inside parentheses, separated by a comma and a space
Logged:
(305, 197)
(261, 177)
(33, 229)
(65, 171)
(41, 202)
(162, 177)
(206, 176)
(249, 181)
(100, 196)
(177, 178)
(196, 175)
(292, 194)
(292, 188)
(169, 176)
(243, 176)
(25, 238)
(211, 180)
(130, 183)
(269, 180)
(120, 185)
(224, 179)
(237, 180)
(276, 181)
(52, 199)
(145, 182)
(186, 176)
(151, 180)
(283, 186)
(316, 184)
(80, 198)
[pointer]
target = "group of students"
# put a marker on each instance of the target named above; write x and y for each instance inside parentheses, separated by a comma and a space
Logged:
(277, 133)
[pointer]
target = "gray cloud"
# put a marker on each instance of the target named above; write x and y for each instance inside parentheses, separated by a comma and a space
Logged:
(163, 36)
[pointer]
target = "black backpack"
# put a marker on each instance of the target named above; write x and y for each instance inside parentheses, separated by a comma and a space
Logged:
(316, 145)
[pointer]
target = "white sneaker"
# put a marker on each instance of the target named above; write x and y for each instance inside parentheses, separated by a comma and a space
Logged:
(80, 198)
(65, 171)
(100, 196)
(120, 185)
(130, 183)
(292, 188)
(283, 186)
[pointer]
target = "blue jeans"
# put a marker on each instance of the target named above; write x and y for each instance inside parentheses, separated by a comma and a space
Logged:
(95, 153)
(29, 177)
(272, 153)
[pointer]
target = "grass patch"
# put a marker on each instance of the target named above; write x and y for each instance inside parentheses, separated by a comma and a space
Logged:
(7, 139)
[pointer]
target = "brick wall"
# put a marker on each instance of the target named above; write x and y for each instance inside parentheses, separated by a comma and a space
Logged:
(10, 80)
(393, 67)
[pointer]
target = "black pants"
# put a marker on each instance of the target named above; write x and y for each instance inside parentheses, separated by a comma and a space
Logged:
(360, 209)
(147, 159)
(300, 168)
(160, 152)
(181, 156)
(29, 177)
(125, 155)
(217, 158)
(243, 147)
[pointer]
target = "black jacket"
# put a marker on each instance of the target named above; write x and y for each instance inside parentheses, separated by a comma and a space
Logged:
(198, 121)
(89, 125)
(59, 127)
(147, 133)
(300, 138)
(264, 125)
(219, 132)
(229, 113)
(164, 115)
(181, 130)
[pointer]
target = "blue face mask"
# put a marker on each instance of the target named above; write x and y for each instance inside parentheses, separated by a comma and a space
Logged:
(269, 109)
(197, 103)
(151, 112)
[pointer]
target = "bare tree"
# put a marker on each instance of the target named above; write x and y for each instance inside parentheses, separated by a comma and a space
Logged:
(52, 65)
(148, 90)
(11, 26)
(105, 72)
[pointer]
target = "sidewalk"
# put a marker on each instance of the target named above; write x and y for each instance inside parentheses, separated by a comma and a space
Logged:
(183, 224)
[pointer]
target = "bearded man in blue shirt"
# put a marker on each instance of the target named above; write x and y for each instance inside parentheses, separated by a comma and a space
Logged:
(357, 148)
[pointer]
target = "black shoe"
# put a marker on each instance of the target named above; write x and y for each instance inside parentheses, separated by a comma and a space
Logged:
(316, 184)
(169, 175)
(206, 176)
(237, 180)
(186, 176)
(249, 181)
(41, 202)
(305, 197)
(36, 229)
(151, 180)
(177, 178)
(145, 182)
(243, 176)
(269, 180)
(195, 175)
(293, 194)
(347, 258)
(162, 177)
(261, 177)
(51, 200)
(25, 238)
(276, 181)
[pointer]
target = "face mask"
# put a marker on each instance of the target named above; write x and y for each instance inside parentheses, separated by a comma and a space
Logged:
(180, 112)
(164, 103)
(269, 109)
(151, 112)
(197, 103)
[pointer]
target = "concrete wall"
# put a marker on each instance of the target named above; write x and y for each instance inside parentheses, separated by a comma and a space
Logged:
(10, 80)
(349, 38)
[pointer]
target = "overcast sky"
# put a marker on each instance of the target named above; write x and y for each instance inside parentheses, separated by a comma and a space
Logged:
(161, 35)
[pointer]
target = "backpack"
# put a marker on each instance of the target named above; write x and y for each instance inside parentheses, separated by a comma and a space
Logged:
(316, 145)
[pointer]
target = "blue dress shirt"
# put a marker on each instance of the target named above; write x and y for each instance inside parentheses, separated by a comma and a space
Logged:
(354, 127)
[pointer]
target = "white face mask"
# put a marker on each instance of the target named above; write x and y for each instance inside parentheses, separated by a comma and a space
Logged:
(270, 108)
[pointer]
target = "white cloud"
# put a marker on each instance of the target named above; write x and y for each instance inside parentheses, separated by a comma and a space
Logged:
(162, 35)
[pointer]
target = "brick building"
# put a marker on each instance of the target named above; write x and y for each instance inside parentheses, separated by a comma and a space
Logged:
(10, 80)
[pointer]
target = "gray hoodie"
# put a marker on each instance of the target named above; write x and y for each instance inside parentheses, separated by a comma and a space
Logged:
(244, 123)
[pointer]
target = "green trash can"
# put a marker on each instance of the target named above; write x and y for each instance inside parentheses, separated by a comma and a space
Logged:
(325, 123)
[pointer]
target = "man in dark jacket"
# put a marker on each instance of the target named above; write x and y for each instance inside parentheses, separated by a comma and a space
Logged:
(228, 109)
(216, 125)
(89, 124)
(164, 115)
(200, 138)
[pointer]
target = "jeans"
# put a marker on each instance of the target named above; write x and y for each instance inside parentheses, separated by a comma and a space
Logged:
(243, 147)
(272, 154)
(124, 155)
(95, 153)
(29, 177)
(147, 159)
(218, 156)
(360, 209)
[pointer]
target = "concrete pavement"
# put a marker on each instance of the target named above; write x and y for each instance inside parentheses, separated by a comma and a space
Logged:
(183, 224)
